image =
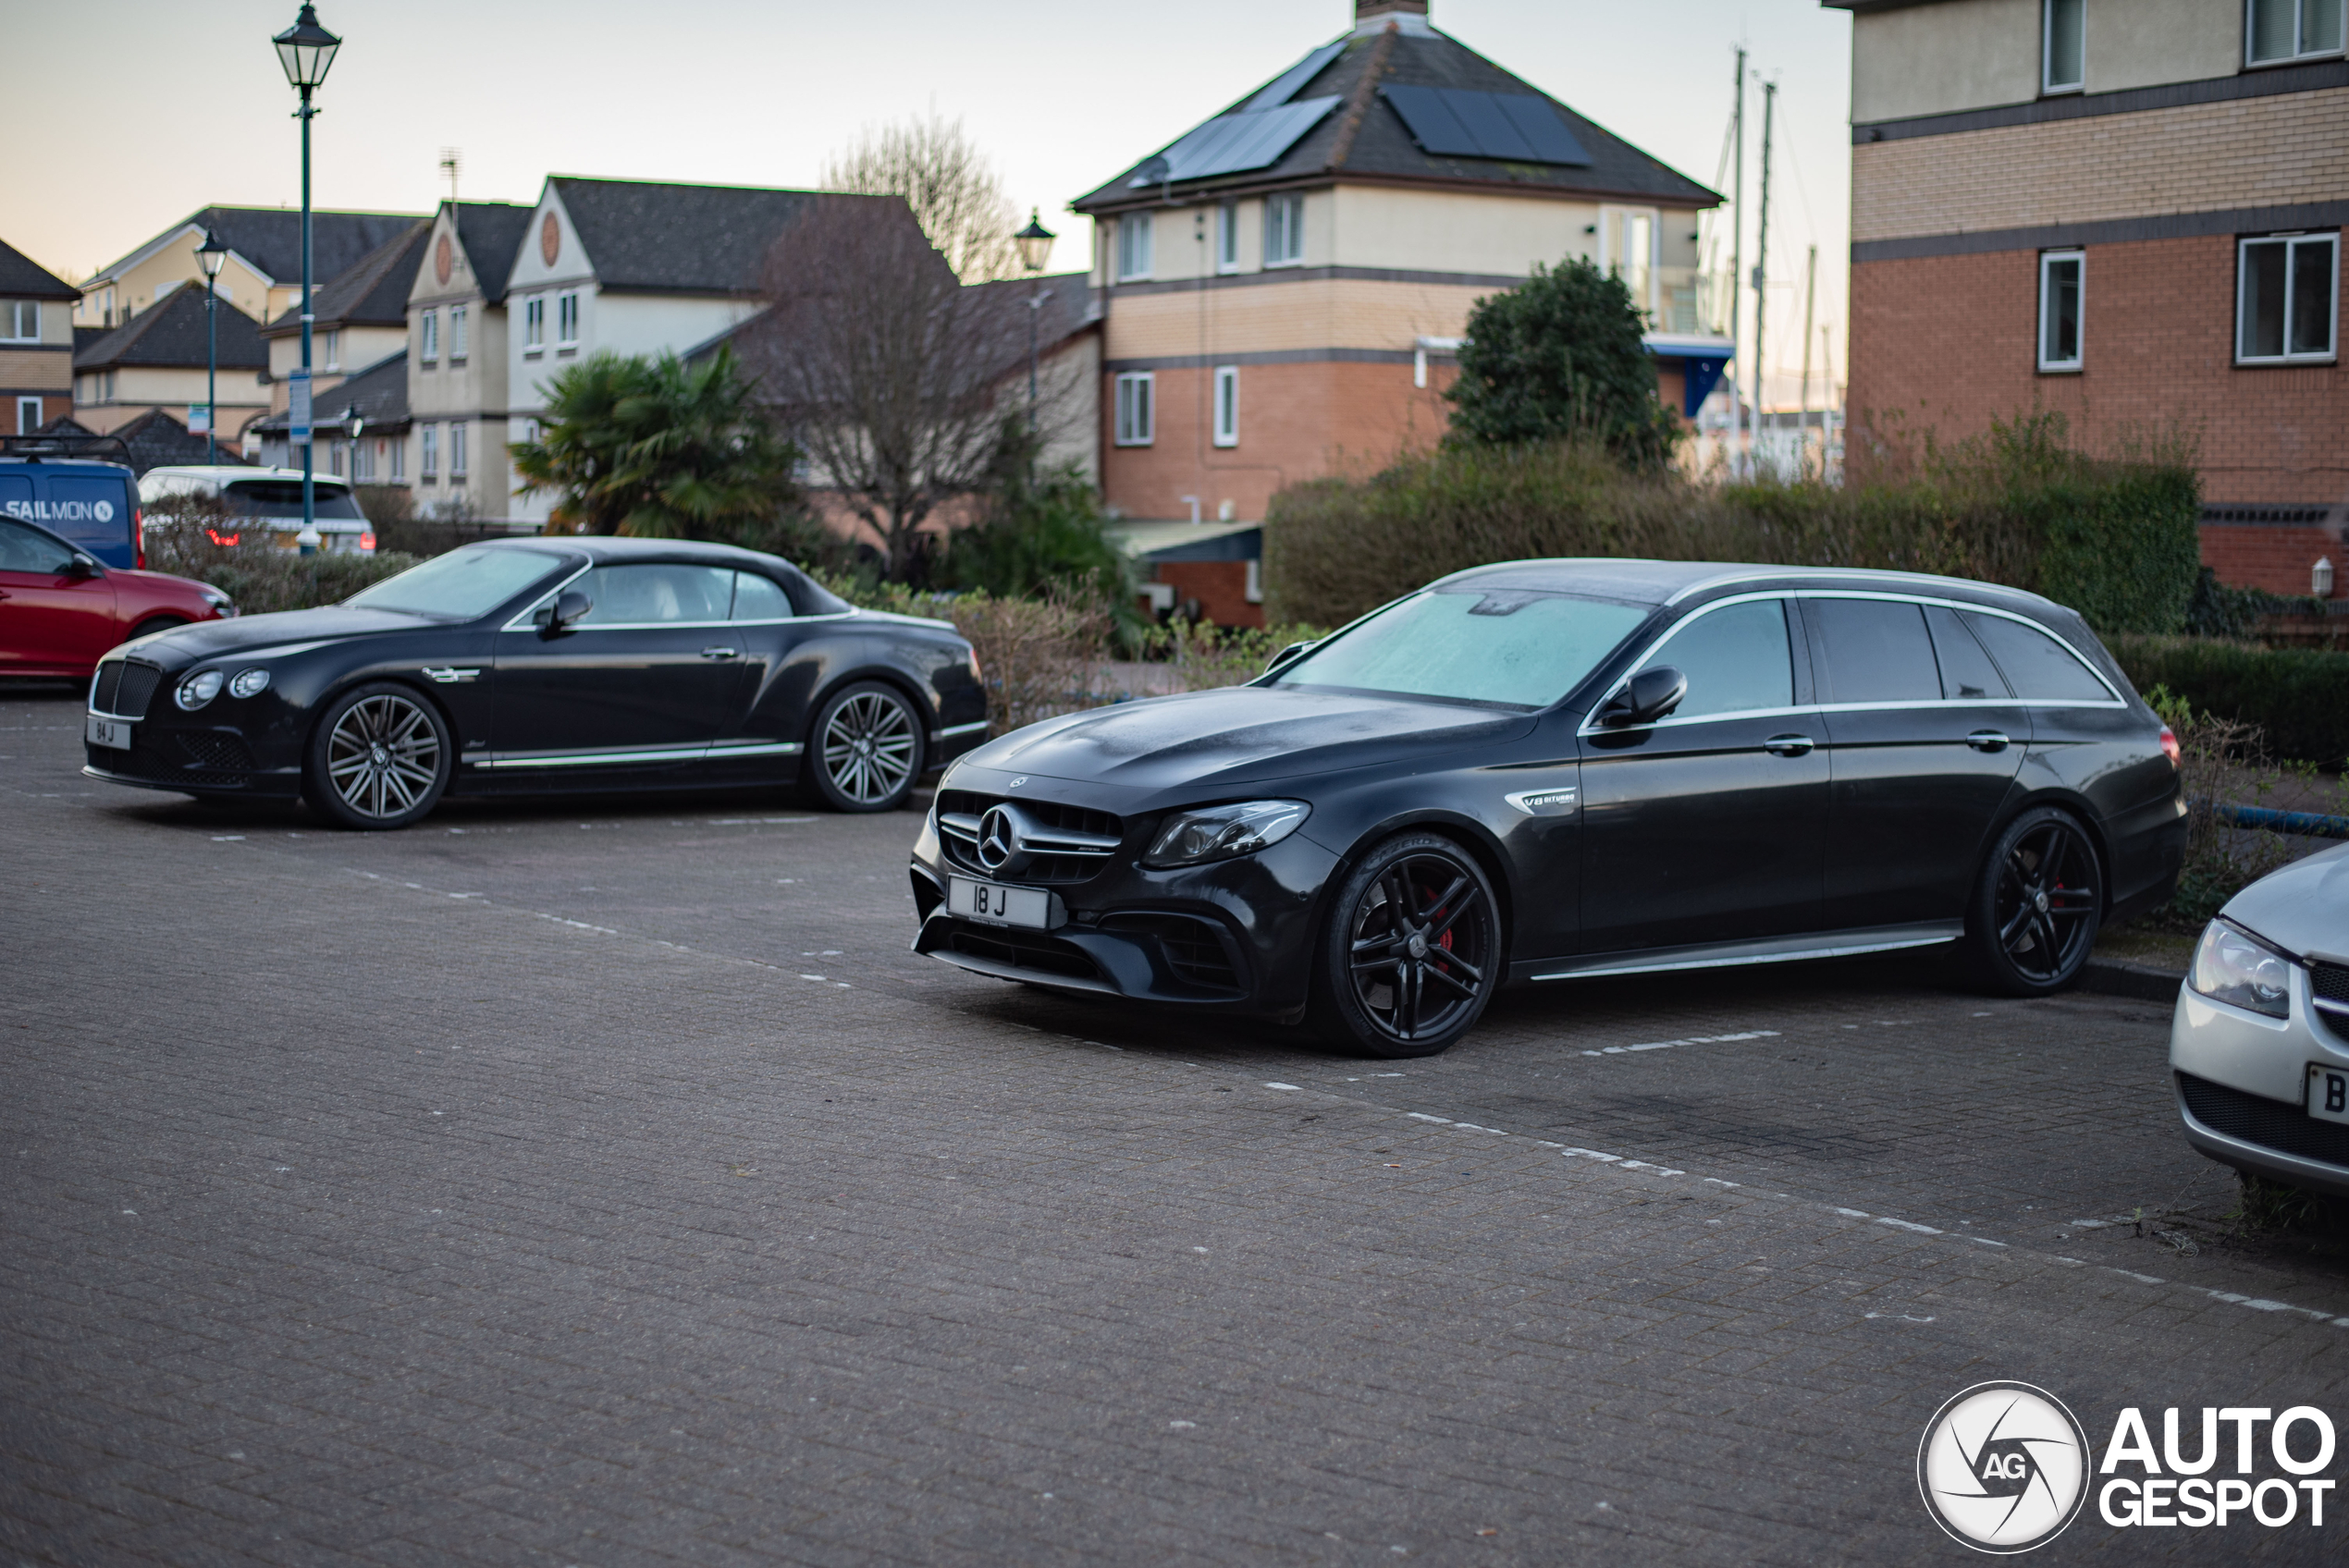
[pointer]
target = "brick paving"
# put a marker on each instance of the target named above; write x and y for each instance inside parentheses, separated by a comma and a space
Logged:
(603, 1184)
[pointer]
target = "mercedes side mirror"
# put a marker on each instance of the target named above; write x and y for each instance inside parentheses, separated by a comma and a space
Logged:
(1652, 695)
(570, 606)
(1287, 655)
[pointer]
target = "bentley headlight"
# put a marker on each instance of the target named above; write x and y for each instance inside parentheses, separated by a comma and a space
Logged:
(1192, 837)
(198, 690)
(249, 683)
(2234, 967)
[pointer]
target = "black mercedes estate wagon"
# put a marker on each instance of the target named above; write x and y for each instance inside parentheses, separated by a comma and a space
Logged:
(540, 664)
(1552, 770)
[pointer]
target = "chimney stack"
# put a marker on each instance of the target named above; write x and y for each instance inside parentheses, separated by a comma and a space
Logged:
(1364, 10)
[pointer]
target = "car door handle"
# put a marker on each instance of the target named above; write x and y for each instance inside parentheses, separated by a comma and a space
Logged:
(1988, 740)
(721, 653)
(1789, 745)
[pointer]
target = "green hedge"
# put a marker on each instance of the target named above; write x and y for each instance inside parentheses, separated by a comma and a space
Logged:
(2116, 541)
(2300, 696)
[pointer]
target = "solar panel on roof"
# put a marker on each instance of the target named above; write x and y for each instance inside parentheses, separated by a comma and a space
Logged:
(1292, 81)
(1246, 140)
(1457, 122)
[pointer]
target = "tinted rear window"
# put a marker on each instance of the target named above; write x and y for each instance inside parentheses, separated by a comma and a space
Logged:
(1967, 674)
(282, 497)
(2036, 665)
(1877, 651)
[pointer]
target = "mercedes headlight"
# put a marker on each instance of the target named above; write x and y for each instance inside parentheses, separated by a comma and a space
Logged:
(198, 690)
(1192, 837)
(249, 683)
(2234, 967)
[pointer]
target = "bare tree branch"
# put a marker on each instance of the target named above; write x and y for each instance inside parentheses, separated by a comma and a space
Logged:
(953, 190)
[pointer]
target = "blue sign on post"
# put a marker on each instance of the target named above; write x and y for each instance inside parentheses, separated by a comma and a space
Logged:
(298, 407)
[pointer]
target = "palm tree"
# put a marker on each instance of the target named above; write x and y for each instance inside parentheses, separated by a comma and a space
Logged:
(658, 449)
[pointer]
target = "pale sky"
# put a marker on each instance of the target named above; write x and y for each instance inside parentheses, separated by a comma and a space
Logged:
(120, 123)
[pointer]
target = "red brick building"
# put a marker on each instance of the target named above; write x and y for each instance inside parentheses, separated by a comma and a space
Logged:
(2126, 210)
(1283, 288)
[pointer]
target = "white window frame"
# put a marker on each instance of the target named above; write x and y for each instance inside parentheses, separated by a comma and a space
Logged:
(457, 451)
(19, 311)
(398, 461)
(567, 319)
(1227, 405)
(2048, 365)
(534, 325)
(333, 350)
(1136, 411)
(1136, 234)
(1227, 237)
(2048, 82)
(1284, 229)
(27, 426)
(2291, 242)
(2300, 9)
(460, 326)
(428, 453)
(428, 338)
(362, 461)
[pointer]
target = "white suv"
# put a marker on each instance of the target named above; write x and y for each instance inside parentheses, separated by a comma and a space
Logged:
(272, 497)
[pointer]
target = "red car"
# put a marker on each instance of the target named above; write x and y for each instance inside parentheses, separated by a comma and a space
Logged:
(60, 609)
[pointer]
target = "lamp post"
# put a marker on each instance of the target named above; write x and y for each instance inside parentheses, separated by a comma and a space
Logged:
(306, 50)
(1035, 244)
(209, 255)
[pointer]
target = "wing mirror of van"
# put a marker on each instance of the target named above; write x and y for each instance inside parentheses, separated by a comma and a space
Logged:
(1652, 695)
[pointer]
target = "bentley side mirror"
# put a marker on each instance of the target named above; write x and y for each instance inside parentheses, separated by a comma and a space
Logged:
(1287, 655)
(1652, 695)
(570, 606)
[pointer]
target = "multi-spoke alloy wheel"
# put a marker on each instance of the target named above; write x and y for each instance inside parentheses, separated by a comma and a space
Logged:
(1413, 951)
(380, 758)
(2037, 905)
(867, 749)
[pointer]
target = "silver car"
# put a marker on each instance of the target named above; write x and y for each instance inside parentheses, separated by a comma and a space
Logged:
(2259, 1044)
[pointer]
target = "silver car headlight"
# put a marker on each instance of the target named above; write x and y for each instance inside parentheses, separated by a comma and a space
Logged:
(1193, 838)
(2232, 966)
(249, 683)
(198, 690)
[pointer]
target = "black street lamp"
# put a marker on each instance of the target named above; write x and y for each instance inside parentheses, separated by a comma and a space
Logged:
(209, 255)
(1035, 244)
(307, 51)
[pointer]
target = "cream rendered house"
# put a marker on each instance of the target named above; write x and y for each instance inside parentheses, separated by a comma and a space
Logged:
(458, 364)
(262, 275)
(635, 267)
(360, 319)
(1286, 285)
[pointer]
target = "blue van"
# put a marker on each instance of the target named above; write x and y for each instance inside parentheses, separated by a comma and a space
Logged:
(90, 502)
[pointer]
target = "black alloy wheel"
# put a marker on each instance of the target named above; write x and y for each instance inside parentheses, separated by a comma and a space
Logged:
(2036, 905)
(1412, 952)
(864, 749)
(379, 758)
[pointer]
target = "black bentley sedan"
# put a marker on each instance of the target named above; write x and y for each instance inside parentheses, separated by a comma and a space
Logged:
(1551, 770)
(531, 666)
